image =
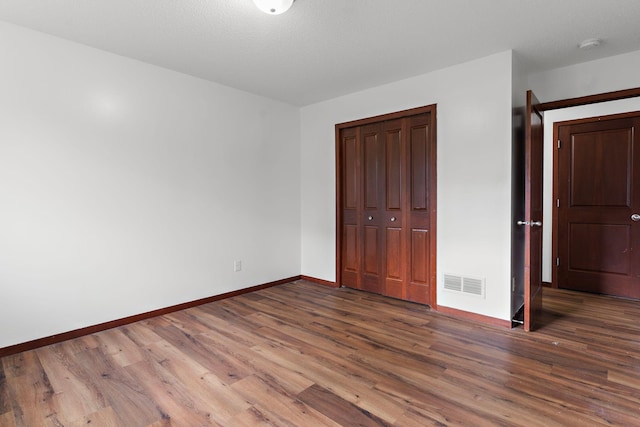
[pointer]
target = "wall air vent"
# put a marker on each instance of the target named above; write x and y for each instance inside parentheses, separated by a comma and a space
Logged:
(464, 284)
(453, 283)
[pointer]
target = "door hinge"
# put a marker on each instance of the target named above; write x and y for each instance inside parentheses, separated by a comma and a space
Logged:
(559, 144)
(558, 262)
(557, 203)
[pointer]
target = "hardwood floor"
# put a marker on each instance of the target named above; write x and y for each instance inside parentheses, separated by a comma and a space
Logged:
(306, 355)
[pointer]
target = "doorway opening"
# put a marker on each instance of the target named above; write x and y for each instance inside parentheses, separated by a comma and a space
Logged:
(597, 214)
(530, 309)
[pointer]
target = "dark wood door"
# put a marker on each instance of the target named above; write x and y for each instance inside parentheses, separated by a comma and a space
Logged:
(420, 210)
(533, 214)
(599, 192)
(348, 206)
(382, 237)
(386, 201)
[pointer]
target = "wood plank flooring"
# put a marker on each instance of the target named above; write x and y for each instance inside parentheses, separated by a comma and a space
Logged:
(306, 355)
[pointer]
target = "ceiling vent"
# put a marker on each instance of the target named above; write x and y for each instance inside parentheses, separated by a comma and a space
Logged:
(464, 284)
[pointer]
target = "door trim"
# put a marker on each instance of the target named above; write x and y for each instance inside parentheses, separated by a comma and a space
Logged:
(591, 99)
(431, 109)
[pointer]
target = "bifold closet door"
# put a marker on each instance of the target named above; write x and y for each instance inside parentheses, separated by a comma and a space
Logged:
(384, 188)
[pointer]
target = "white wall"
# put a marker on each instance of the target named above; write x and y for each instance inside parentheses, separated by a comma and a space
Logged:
(474, 174)
(604, 75)
(126, 187)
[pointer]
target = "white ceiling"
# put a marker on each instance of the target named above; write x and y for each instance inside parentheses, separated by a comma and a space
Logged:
(321, 49)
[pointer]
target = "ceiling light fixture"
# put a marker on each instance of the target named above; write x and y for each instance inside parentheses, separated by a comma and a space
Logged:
(590, 44)
(273, 7)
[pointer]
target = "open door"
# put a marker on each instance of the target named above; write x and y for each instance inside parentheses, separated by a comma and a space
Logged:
(533, 214)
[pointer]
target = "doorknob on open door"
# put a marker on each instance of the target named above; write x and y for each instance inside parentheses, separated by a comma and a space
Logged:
(635, 217)
(536, 223)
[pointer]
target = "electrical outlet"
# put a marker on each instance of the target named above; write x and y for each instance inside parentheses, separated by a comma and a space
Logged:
(237, 265)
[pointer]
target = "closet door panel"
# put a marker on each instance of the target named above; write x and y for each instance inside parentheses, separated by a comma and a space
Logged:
(371, 169)
(350, 173)
(394, 182)
(371, 251)
(418, 283)
(419, 167)
(394, 263)
(350, 184)
(419, 252)
(373, 177)
(372, 277)
(394, 196)
(350, 258)
(418, 211)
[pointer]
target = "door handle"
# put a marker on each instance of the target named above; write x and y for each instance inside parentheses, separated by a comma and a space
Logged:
(635, 217)
(370, 218)
(393, 219)
(539, 223)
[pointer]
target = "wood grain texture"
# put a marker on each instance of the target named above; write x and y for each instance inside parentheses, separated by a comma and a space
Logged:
(78, 333)
(300, 354)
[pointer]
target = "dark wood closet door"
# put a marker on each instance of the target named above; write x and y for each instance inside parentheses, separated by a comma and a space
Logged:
(418, 213)
(390, 194)
(349, 207)
(599, 194)
(373, 213)
(381, 233)
(384, 189)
